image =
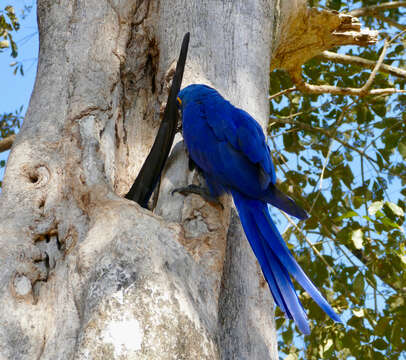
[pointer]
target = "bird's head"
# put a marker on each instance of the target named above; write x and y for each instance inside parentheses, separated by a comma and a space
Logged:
(193, 93)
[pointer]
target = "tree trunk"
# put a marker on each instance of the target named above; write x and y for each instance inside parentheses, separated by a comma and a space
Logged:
(86, 274)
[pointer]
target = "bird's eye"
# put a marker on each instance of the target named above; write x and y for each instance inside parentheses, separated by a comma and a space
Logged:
(179, 101)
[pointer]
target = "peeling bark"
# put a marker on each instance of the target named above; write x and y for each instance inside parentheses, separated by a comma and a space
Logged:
(307, 32)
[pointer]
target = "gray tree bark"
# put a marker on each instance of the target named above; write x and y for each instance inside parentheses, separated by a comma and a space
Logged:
(86, 274)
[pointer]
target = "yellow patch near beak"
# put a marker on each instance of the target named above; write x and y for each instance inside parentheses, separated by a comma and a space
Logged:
(179, 100)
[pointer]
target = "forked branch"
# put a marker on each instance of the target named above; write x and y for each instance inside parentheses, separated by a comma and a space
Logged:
(356, 60)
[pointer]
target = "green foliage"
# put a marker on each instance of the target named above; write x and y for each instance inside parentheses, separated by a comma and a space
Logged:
(9, 122)
(8, 24)
(343, 159)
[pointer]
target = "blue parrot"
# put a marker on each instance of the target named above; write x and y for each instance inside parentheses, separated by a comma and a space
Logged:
(229, 148)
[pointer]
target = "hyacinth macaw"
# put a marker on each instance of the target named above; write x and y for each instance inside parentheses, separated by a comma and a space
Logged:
(229, 148)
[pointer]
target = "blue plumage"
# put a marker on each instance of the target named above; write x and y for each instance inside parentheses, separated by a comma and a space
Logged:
(230, 149)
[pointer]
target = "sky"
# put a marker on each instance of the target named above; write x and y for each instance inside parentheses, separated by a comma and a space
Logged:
(15, 90)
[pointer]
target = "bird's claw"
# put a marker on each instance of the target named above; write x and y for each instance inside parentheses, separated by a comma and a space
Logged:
(198, 190)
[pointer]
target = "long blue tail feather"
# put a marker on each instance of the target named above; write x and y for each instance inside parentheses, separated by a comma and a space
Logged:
(277, 262)
(260, 252)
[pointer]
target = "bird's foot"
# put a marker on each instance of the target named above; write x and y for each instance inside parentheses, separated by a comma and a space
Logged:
(198, 190)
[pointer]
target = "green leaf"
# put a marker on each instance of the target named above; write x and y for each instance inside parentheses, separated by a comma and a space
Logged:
(287, 336)
(380, 344)
(328, 345)
(402, 149)
(347, 215)
(4, 44)
(360, 313)
(359, 285)
(397, 210)
(389, 223)
(356, 238)
(379, 109)
(13, 46)
(374, 207)
(382, 325)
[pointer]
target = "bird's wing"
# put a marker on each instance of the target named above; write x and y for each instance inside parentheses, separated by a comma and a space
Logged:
(242, 137)
(230, 147)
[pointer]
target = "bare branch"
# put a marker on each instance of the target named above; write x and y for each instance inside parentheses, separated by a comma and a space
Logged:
(347, 59)
(6, 143)
(363, 263)
(366, 87)
(296, 76)
(327, 158)
(374, 9)
(397, 36)
(390, 22)
(336, 90)
(283, 92)
(304, 126)
(317, 252)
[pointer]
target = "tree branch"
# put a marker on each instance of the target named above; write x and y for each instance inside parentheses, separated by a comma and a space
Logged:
(317, 252)
(336, 90)
(296, 76)
(390, 22)
(283, 92)
(304, 126)
(6, 143)
(374, 9)
(367, 85)
(347, 59)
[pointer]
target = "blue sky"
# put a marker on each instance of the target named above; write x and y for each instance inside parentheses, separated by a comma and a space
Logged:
(15, 90)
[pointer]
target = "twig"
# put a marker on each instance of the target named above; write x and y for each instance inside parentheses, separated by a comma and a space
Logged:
(283, 92)
(6, 143)
(317, 252)
(304, 126)
(371, 10)
(347, 59)
(291, 116)
(365, 88)
(381, 134)
(363, 275)
(390, 22)
(338, 122)
(396, 36)
(281, 157)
